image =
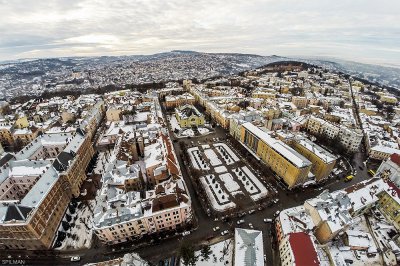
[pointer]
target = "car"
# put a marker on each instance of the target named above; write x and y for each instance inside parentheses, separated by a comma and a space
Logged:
(265, 257)
(186, 233)
(348, 178)
(224, 232)
(215, 229)
(251, 225)
(371, 172)
(240, 215)
(75, 258)
(260, 208)
(266, 220)
(277, 213)
(240, 222)
(276, 201)
(251, 211)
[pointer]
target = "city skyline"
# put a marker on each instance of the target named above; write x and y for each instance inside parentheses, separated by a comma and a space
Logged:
(362, 31)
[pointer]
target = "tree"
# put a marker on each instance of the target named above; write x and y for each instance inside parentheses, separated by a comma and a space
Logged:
(206, 252)
(341, 104)
(187, 254)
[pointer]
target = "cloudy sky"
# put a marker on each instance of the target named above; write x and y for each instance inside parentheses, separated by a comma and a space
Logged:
(360, 30)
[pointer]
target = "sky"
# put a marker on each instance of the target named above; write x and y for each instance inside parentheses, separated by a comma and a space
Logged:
(360, 30)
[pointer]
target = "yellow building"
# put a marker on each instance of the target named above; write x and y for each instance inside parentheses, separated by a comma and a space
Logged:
(388, 99)
(6, 138)
(188, 116)
(263, 95)
(288, 164)
(300, 102)
(113, 114)
(323, 161)
(172, 101)
(21, 122)
(389, 205)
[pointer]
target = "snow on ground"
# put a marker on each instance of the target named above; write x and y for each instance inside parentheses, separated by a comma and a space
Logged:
(197, 162)
(253, 186)
(80, 235)
(212, 156)
(187, 132)
(220, 169)
(203, 130)
(100, 163)
(174, 123)
(218, 198)
(229, 183)
(222, 254)
(231, 156)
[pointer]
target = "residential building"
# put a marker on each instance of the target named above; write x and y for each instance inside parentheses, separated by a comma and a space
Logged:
(249, 248)
(322, 161)
(188, 116)
(298, 249)
(287, 163)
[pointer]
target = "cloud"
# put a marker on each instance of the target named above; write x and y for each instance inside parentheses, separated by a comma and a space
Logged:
(357, 30)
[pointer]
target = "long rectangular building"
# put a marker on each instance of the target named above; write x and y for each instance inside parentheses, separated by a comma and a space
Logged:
(287, 163)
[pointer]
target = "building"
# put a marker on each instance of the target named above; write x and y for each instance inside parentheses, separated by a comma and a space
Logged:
(172, 101)
(300, 102)
(349, 138)
(287, 163)
(37, 185)
(322, 161)
(6, 137)
(249, 248)
(390, 169)
(188, 116)
(389, 204)
(298, 249)
(383, 150)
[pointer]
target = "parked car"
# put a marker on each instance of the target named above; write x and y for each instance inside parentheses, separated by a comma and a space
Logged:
(348, 178)
(75, 258)
(186, 233)
(276, 201)
(224, 232)
(240, 222)
(251, 211)
(240, 215)
(251, 226)
(215, 229)
(266, 220)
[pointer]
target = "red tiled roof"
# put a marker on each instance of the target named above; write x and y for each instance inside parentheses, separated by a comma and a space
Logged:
(395, 158)
(171, 162)
(303, 249)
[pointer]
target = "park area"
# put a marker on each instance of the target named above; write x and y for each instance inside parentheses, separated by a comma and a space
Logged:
(227, 181)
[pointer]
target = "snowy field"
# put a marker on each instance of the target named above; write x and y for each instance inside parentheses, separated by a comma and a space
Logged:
(226, 153)
(212, 156)
(221, 254)
(203, 130)
(196, 160)
(174, 123)
(229, 183)
(187, 132)
(80, 235)
(220, 169)
(253, 186)
(219, 199)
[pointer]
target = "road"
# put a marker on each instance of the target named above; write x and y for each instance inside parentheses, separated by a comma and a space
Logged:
(169, 247)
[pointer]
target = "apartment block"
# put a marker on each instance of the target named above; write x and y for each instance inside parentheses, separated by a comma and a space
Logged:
(287, 163)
